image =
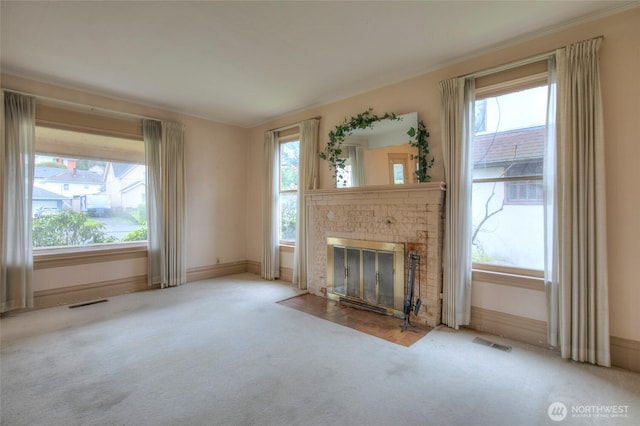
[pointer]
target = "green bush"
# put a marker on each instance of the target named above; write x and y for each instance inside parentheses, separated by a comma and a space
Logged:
(139, 234)
(68, 229)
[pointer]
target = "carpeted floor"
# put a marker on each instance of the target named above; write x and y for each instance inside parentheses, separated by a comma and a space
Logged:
(384, 327)
(223, 352)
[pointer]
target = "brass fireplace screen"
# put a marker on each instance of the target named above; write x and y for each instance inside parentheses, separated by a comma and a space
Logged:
(366, 272)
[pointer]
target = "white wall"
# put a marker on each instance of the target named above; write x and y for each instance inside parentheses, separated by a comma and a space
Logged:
(216, 182)
(620, 63)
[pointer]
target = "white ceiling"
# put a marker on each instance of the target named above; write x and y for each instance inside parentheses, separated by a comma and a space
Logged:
(244, 63)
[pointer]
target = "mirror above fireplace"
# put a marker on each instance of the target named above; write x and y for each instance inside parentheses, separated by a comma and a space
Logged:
(370, 151)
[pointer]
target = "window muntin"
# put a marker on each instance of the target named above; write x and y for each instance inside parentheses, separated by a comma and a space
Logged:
(507, 206)
(288, 189)
(83, 200)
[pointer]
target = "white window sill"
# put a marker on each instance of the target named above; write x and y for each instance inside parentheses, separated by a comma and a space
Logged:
(55, 257)
(512, 277)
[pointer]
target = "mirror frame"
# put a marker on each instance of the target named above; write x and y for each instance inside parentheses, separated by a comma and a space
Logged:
(332, 152)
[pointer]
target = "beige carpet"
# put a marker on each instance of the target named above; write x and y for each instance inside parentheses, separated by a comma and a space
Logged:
(223, 352)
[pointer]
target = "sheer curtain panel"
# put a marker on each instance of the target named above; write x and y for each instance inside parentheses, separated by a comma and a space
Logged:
(17, 180)
(582, 239)
(551, 279)
(166, 203)
(270, 208)
(457, 111)
(308, 176)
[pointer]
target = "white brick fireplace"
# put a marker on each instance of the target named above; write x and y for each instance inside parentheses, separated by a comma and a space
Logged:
(411, 215)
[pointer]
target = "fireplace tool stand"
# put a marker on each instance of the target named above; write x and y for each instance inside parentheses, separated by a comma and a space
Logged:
(409, 290)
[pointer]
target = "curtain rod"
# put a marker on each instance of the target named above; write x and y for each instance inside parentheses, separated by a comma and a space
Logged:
(522, 62)
(84, 106)
(291, 126)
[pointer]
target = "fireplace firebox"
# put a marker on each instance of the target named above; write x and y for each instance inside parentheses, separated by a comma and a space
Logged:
(369, 274)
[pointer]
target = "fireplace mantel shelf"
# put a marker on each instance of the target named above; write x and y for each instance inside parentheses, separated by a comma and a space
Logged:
(427, 186)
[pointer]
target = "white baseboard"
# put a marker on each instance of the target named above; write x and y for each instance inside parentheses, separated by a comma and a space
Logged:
(254, 267)
(625, 353)
(513, 327)
(85, 292)
(286, 274)
(214, 271)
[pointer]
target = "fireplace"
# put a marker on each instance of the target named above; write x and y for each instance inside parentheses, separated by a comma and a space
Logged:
(369, 274)
(350, 227)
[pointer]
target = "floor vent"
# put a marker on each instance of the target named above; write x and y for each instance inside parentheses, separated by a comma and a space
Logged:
(491, 344)
(79, 305)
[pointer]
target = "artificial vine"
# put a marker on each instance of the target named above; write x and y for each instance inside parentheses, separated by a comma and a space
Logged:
(421, 141)
(333, 150)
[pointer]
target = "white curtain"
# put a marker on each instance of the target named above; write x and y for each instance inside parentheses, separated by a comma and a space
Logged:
(166, 203)
(551, 279)
(581, 204)
(270, 208)
(457, 112)
(308, 176)
(16, 176)
(356, 154)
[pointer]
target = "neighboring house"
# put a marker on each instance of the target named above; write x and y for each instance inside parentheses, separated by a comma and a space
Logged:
(125, 183)
(43, 198)
(507, 154)
(74, 182)
(40, 174)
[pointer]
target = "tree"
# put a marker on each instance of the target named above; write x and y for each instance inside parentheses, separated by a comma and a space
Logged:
(68, 229)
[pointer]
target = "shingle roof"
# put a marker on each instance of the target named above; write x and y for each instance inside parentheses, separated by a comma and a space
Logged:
(120, 169)
(80, 176)
(45, 172)
(512, 145)
(43, 194)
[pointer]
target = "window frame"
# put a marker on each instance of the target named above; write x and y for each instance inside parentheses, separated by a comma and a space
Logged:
(518, 276)
(283, 138)
(90, 121)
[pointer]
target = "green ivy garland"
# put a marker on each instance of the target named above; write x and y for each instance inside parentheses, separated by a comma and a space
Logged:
(333, 150)
(421, 141)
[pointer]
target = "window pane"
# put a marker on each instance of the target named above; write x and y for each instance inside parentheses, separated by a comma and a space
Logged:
(289, 159)
(503, 233)
(398, 174)
(511, 140)
(80, 201)
(288, 215)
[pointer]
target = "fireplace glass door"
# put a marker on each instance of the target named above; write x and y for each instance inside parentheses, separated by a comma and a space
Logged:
(372, 273)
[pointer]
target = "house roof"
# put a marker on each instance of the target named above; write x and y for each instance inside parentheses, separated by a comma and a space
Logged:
(120, 169)
(132, 186)
(45, 172)
(43, 194)
(78, 176)
(509, 146)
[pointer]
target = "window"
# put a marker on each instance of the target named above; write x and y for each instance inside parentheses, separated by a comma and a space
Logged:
(398, 168)
(288, 196)
(508, 154)
(87, 189)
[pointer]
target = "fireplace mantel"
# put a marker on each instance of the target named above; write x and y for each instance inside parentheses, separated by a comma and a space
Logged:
(407, 214)
(346, 192)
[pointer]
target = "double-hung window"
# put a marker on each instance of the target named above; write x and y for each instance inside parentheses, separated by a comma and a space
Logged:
(508, 157)
(288, 187)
